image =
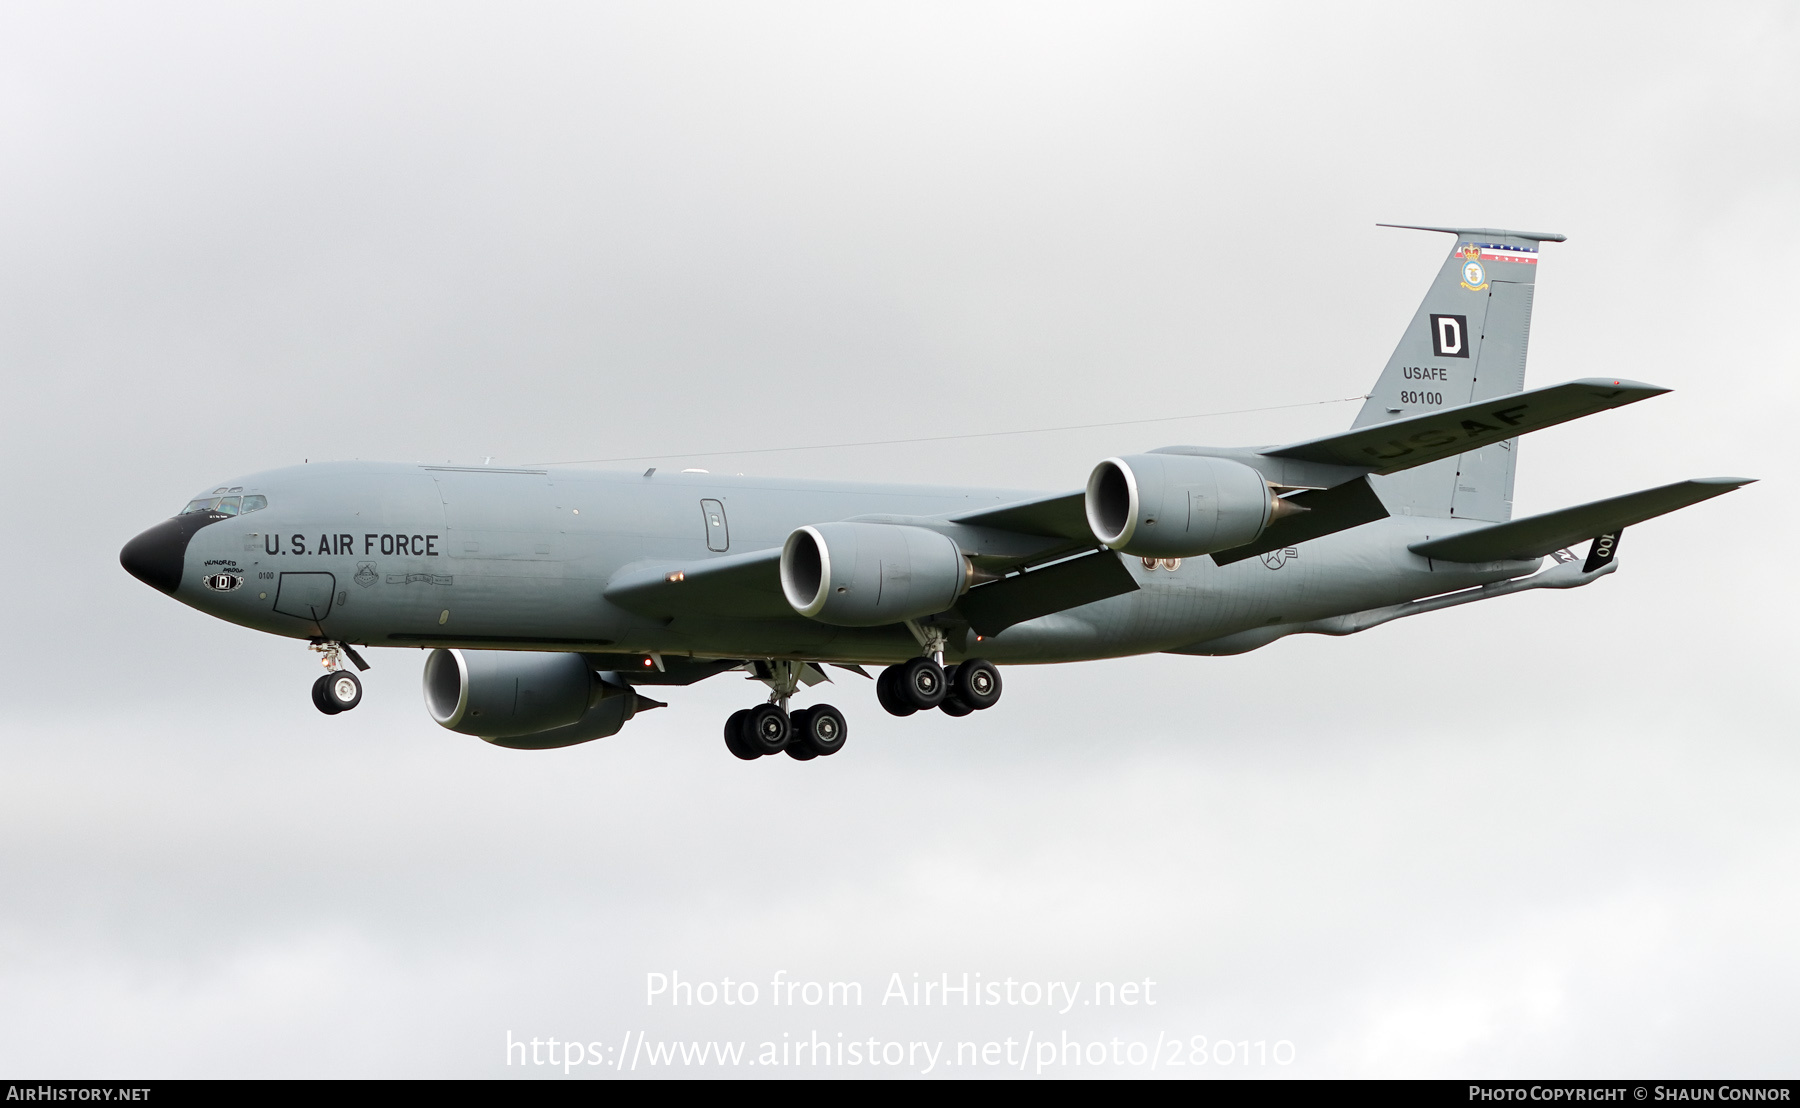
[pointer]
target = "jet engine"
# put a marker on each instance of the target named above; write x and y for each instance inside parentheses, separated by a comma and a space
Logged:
(871, 574)
(1178, 505)
(524, 700)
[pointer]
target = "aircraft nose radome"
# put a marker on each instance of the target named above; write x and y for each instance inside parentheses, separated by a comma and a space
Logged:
(156, 556)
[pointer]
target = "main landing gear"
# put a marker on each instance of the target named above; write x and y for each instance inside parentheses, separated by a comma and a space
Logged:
(916, 685)
(921, 684)
(809, 733)
(767, 729)
(337, 689)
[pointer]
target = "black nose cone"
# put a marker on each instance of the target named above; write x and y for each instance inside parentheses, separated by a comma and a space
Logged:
(156, 556)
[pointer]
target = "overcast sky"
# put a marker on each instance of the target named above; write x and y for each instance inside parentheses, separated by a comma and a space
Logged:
(1550, 835)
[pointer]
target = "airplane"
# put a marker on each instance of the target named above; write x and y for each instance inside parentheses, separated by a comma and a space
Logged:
(550, 599)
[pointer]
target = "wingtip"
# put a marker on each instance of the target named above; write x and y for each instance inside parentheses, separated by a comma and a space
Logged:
(1644, 387)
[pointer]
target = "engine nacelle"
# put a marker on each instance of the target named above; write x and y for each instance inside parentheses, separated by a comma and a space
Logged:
(521, 699)
(871, 574)
(1178, 505)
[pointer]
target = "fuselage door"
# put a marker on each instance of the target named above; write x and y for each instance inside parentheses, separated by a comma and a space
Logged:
(306, 595)
(718, 536)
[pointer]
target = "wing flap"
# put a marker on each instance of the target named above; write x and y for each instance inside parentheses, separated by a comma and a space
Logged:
(1399, 444)
(1328, 511)
(1536, 536)
(991, 609)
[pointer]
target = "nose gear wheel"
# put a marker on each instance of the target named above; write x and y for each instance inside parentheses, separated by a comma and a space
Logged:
(336, 692)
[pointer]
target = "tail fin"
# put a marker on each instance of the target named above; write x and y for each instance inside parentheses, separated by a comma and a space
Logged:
(1465, 344)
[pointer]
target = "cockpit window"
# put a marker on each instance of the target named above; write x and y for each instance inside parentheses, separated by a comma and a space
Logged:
(229, 505)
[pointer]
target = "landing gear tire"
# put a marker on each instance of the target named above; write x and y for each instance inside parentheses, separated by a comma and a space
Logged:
(734, 736)
(766, 729)
(336, 692)
(819, 731)
(976, 683)
(796, 745)
(953, 706)
(320, 700)
(921, 683)
(887, 690)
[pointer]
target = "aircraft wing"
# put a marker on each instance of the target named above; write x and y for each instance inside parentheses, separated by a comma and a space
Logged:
(1536, 536)
(1061, 515)
(1028, 532)
(738, 586)
(1382, 448)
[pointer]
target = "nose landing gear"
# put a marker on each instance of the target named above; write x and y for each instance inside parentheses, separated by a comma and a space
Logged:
(337, 689)
(336, 692)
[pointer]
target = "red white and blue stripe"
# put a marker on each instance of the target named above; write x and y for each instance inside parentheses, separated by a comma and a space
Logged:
(1501, 252)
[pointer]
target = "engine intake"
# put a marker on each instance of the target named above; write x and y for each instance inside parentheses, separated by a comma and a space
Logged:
(525, 700)
(871, 574)
(1178, 505)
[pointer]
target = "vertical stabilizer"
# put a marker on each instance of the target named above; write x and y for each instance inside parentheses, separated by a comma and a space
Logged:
(1465, 344)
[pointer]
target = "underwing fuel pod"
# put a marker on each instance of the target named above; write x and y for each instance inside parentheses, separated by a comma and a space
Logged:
(549, 601)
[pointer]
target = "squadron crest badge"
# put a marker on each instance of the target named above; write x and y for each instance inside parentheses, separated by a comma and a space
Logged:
(1474, 277)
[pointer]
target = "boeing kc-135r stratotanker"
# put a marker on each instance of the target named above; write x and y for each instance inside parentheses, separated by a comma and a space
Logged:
(549, 599)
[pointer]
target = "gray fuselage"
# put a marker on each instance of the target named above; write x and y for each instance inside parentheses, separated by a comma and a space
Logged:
(388, 554)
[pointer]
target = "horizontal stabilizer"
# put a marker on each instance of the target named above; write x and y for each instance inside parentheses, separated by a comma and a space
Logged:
(1536, 536)
(739, 586)
(1403, 443)
(991, 609)
(1484, 232)
(1328, 511)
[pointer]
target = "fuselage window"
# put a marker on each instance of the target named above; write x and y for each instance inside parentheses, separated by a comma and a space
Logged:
(718, 538)
(204, 505)
(254, 504)
(229, 505)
